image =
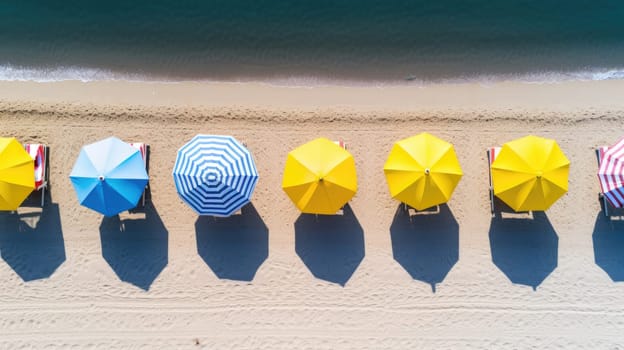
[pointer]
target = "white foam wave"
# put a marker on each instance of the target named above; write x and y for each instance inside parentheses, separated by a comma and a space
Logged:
(557, 77)
(17, 73)
(43, 74)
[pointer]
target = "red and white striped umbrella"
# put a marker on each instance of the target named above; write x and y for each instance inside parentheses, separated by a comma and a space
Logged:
(611, 174)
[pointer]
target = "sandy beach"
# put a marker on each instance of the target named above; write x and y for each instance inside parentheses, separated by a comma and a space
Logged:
(371, 279)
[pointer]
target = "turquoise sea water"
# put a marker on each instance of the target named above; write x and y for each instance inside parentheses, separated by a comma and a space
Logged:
(378, 40)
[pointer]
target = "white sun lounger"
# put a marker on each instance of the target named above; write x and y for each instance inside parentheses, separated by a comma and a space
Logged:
(600, 151)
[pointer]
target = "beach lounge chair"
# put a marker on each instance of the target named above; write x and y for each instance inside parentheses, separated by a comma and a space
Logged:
(492, 153)
(144, 149)
(608, 207)
(40, 154)
(411, 211)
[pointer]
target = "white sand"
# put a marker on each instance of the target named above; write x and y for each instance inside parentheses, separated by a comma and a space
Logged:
(82, 302)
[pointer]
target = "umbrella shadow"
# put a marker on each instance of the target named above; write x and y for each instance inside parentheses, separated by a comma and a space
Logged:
(426, 246)
(608, 239)
(32, 243)
(136, 249)
(233, 247)
(331, 246)
(524, 249)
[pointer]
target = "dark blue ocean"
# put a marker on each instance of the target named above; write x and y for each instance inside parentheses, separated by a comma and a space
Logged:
(363, 40)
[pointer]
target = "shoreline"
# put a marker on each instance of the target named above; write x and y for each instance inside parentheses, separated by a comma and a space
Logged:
(564, 96)
(319, 78)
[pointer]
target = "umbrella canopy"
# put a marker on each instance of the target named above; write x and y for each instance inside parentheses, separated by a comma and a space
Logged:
(611, 174)
(530, 173)
(319, 177)
(109, 176)
(215, 175)
(422, 171)
(17, 174)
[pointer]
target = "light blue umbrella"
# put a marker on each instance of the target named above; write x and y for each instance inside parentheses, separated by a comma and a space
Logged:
(109, 176)
(215, 175)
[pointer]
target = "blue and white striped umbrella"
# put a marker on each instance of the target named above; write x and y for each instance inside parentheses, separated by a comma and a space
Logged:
(215, 175)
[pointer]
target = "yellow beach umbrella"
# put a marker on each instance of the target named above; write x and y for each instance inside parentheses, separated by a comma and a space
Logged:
(17, 174)
(319, 177)
(530, 173)
(422, 171)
